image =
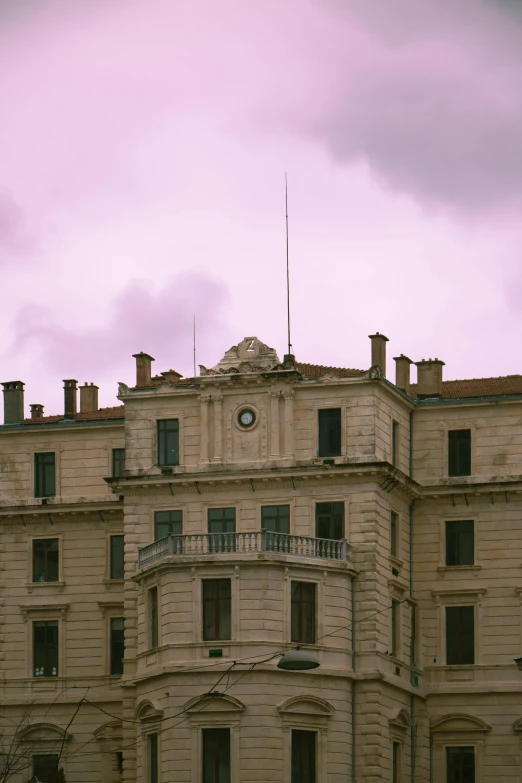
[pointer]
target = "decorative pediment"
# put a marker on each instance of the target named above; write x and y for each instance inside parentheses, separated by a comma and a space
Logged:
(147, 711)
(212, 703)
(43, 732)
(459, 722)
(109, 732)
(306, 705)
(400, 722)
(250, 355)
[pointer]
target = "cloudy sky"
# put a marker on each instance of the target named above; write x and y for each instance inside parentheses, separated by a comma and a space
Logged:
(143, 148)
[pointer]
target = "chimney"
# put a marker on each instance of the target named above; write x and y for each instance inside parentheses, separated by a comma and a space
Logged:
(13, 402)
(88, 398)
(429, 378)
(171, 376)
(70, 392)
(402, 372)
(37, 411)
(379, 351)
(143, 368)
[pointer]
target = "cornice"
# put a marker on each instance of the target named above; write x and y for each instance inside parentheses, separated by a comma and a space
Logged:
(100, 512)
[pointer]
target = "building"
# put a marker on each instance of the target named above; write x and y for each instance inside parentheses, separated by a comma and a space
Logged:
(157, 559)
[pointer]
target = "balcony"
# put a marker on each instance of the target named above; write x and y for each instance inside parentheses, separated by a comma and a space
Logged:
(198, 545)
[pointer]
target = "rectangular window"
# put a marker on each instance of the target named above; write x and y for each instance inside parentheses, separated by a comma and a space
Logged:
(304, 756)
(221, 529)
(460, 635)
(116, 556)
(460, 765)
(394, 534)
(275, 519)
(396, 762)
(330, 432)
(118, 462)
(167, 523)
(44, 475)
(168, 442)
(45, 768)
(216, 756)
(217, 609)
(459, 453)
(395, 443)
(329, 520)
(303, 612)
(45, 559)
(460, 543)
(152, 753)
(117, 645)
(45, 648)
(395, 628)
(153, 617)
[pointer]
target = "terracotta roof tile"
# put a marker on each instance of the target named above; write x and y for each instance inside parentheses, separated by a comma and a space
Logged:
(318, 370)
(478, 387)
(116, 412)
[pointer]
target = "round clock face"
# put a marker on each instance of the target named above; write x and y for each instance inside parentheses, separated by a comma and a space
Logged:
(246, 418)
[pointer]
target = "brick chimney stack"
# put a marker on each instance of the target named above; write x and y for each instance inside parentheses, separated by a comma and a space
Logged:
(429, 378)
(402, 372)
(88, 398)
(37, 411)
(13, 402)
(379, 351)
(143, 368)
(70, 394)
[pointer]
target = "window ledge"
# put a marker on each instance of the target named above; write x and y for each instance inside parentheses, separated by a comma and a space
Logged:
(38, 586)
(113, 582)
(396, 562)
(474, 569)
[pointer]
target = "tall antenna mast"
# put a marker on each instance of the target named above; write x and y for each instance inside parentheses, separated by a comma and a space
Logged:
(194, 335)
(287, 270)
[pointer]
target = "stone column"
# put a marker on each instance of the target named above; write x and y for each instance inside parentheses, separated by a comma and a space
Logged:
(274, 422)
(288, 394)
(203, 428)
(218, 428)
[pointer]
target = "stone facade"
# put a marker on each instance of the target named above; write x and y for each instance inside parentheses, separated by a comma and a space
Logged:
(384, 704)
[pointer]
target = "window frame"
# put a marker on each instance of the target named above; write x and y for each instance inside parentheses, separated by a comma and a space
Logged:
(112, 643)
(395, 443)
(318, 449)
(216, 728)
(110, 571)
(448, 452)
(157, 445)
(114, 461)
(395, 629)
(43, 755)
(323, 502)
(47, 622)
(395, 537)
(294, 773)
(153, 617)
(446, 543)
(276, 505)
(459, 643)
(458, 597)
(204, 603)
(155, 521)
(225, 540)
(447, 748)
(38, 492)
(295, 633)
(153, 763)
(59, 561)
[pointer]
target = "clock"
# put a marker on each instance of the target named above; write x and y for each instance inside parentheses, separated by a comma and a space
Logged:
(246, 418)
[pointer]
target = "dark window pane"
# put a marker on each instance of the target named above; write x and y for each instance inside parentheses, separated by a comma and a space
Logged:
(216, 756)
(152, 748)
(329, 520)
(221, 528)
(117, 645)
(168, 442)
(394, 529)
(460, 764)
(153, 617)
(459, 452)
(45, 648)
(275, 519)
(396, 762)
(118, 462)
(303, 612)
(45, 768)
(44, 475)
(330, 432)
(216, 609)
(395, 637)
(460, 548)
(117, 543)
(395, 442)
(303, 756)
(45, 560)
(167, 523)
(460, 635)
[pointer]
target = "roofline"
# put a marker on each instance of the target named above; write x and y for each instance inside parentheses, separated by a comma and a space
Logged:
(65, 424)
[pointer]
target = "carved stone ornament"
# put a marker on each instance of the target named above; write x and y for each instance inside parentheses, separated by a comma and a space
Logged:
(123, 389)
(251, 355)
(375, 373)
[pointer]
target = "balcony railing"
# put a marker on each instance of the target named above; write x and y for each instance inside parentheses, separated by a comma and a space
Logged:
(243, 543)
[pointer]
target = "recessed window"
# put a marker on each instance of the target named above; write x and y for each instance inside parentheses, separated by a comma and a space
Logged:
(304, 756)
(395, 443)
(460, 635)
(45, 767)
(303, 612)
(222, 528)
(460, 543)
(45, 648)
(329, 432)
(116, 556)
(396, 762)
(168, 442)
(217, 609)
(395, 628)
(45, 559)
(275, 519)
(153, 617)
(167, 523)
(152, 760)
(44, 474)
(459, 453)
(329, 520)
(394, 534)
(118, 462)
(117, 645)
(216, 756)
(460, 765)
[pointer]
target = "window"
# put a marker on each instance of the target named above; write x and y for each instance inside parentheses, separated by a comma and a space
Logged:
(45, 648)
(330, 432)
(45, 768)
(329, 520)
(45, 560)
(394, 534)
(116, 557)
(459, 453)
(460, 543)
(153, 617)
(167, 523)
(395, 443)
(117, 645)
(118, 462)
(216, 756)
(119, 761)
(222, 528)
(303, 612)
(44, 475)
(460, 763)
(460, 635)
(303, 756)
(395, 628)
(275, 519)
(396, 762)
(152, 753)
(168, 442)
(216, 609)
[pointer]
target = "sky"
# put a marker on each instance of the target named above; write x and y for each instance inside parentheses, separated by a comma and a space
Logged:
(143, 151)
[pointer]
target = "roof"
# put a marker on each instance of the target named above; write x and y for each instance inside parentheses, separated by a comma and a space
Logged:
(478, 387)
(318, 370)
(116, 412)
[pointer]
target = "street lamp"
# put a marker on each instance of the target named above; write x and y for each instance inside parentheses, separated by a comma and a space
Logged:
(297, 660)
